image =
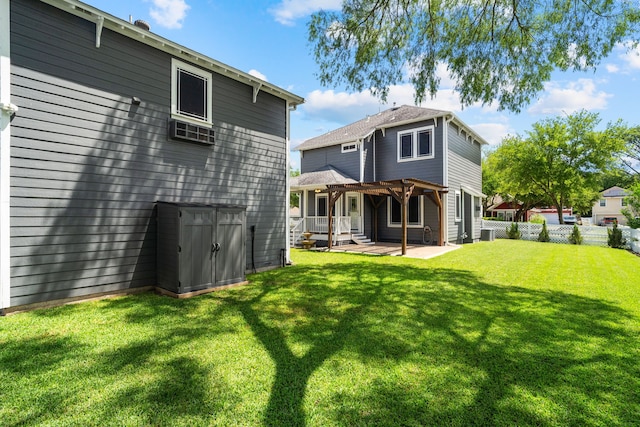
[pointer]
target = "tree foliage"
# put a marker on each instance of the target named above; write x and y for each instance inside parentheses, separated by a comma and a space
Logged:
(494, 50)
(632, 211)
(560, 160)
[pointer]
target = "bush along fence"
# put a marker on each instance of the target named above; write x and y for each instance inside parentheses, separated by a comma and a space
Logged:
(591, 235)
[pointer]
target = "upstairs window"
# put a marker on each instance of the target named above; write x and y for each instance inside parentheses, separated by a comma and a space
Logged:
(415, 144)
(603, 203)
(190, 93)
(624, 201)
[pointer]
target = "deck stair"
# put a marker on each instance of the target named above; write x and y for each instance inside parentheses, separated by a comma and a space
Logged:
(361, 239)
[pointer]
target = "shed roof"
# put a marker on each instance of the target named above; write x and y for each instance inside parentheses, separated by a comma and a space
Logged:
(396, 116)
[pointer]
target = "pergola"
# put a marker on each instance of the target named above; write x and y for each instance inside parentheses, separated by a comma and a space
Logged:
(399, 189)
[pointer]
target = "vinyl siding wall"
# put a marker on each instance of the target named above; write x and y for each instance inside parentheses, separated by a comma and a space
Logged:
(464, 169)
(87, 166)
(347, 163)
(387, 165)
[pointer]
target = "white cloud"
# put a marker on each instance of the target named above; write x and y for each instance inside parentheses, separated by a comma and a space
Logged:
(287, 11)
(258, 74)
(343, 108)
(576, 95)
(631, 57)
(169, 13)
(493, 132)
(612, 68)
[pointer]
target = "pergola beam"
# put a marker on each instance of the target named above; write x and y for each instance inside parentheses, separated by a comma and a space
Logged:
(401, 190)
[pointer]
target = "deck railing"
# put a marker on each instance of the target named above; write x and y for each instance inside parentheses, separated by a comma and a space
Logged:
(320, 224)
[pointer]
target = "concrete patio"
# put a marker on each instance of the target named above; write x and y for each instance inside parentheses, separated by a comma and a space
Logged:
(395, 249)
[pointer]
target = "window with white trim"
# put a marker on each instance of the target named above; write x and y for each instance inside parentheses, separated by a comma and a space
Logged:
(414, 212)
(415, 144)
(350, 147)
(191, 93)
(624, 201)
(458, 206)
(603, 203)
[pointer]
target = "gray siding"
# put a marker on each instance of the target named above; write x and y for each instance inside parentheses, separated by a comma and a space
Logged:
(464, 169)
(88, 167)
(348, 163)
(388, 167)
(414, 235)
(368, 161)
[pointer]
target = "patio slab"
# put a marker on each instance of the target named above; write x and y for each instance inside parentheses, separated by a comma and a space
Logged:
(395, 249)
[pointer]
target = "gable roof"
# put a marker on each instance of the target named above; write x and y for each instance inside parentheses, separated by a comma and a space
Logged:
(327, 175)
(396, 116)
(105, 20)
(615, 191)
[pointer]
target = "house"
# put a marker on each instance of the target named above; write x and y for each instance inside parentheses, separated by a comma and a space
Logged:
(610, 205)
(503, 210)
(509, 211)
(100, 120)
(407, 174)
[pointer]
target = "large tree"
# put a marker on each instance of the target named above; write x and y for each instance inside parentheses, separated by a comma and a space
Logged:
(495, 50)
(561, 160)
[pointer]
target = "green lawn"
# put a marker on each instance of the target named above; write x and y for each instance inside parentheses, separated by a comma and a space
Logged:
(496, 333)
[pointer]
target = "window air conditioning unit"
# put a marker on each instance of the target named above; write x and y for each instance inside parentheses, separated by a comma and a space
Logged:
(189, 132)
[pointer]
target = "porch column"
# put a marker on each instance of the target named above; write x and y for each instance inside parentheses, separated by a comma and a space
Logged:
(333, 197)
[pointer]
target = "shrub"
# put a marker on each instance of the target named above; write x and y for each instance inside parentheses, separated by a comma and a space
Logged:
(575, 238)
(513, 232)
(537, 219)
(615, 239)
(544, 234)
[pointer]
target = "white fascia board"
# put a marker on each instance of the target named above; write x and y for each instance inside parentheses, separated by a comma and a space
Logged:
(470, 131)
(5, 155)
(473, 192)
(127, 29)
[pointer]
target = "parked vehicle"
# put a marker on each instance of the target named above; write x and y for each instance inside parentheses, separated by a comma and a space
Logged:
(608, 220)
(570, 219)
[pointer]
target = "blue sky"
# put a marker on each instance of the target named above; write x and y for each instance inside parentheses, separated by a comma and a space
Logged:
(267, 38)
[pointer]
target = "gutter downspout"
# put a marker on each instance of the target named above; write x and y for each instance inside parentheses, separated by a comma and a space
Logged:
(287, 226)
(6, 112)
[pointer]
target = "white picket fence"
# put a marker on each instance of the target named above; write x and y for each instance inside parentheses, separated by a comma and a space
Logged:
(592, 235)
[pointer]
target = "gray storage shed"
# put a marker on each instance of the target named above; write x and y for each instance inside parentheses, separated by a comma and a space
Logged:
(200, 246)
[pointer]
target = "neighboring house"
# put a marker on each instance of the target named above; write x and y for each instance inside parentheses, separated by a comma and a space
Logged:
(610, 205)
(100, 119)
(550, 214)
(504, 211)
(426, 160)
(508, 211)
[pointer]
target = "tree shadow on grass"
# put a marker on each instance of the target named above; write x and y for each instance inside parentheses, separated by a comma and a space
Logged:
(353, 340)
(483, 354)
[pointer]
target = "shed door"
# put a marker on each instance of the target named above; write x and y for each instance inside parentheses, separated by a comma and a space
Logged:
(197, 263)
(230, 259)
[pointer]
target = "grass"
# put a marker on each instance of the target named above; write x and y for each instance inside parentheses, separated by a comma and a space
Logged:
(496, 333)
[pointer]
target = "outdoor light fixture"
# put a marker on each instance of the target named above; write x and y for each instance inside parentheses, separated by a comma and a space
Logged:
(135, 100)
(317, 190)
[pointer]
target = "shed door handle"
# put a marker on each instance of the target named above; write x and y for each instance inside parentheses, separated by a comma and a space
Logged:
(215, 247)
